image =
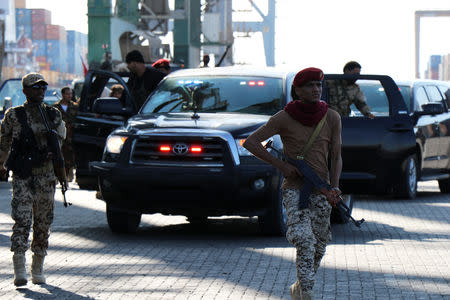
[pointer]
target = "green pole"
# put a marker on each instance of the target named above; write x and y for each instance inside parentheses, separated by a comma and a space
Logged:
(99, 26)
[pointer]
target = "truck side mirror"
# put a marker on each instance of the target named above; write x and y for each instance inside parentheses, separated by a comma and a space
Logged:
(7, 103)
(433, 108)
(428, 109)
(110, 106)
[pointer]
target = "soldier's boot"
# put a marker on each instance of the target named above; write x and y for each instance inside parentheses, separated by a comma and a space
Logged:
(296, 291)
(20, 274)
(37, 269)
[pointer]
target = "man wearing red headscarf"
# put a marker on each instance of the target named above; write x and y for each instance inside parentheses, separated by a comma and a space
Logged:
(162, 65)
(308, 229)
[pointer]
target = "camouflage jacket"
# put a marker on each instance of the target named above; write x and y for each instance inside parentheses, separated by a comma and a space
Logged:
(342, 95)
(11, 129)
(68, 117)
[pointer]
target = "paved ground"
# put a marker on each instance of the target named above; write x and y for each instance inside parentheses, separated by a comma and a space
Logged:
(402, 252)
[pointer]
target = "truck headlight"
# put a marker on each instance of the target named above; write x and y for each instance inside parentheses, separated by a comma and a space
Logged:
(244, 152)
(114, 143)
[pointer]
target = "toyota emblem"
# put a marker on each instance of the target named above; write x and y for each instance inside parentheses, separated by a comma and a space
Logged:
(180, 149)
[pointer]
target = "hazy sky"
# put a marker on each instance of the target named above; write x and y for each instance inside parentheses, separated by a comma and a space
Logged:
(326, 34)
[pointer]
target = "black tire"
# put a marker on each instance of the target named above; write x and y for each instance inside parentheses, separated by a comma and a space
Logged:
(274, 221)
(444, 185)
(337, 216)
(407, 187)
(121, 221)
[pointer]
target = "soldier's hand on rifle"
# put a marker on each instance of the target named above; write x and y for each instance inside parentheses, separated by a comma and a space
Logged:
(289, 170)
(333, 196)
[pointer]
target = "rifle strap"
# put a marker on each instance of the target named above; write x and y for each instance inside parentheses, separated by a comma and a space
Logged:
(312, 137)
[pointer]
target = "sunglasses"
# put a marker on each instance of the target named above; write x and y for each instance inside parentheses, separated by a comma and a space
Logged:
(38, 87)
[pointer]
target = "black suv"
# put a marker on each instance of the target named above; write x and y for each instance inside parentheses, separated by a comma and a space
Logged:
(182, 152)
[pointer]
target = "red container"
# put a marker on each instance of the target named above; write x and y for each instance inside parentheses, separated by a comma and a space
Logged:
(41, 59)
(38, 32)
(41, 16)
(56, 32)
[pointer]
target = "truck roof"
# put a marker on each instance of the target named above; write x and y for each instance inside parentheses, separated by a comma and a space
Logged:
(231, 71)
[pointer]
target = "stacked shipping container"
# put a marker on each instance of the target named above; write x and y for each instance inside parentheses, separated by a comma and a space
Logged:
(53, 48)
(76, 48)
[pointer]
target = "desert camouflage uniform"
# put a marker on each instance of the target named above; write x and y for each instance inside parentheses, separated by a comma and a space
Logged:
(68, 117)
(309, 231)
(342, 95)
(33, 197)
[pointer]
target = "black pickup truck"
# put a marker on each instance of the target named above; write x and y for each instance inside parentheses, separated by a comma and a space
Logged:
(182, 152)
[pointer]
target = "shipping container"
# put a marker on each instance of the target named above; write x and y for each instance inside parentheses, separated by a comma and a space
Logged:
(76, 48)
(20, 3)
(57, 55)
(56, 32)
(38, 32)
(41, 16)
(41, 59)
(40, 48)
(23, 16)
(24, 30)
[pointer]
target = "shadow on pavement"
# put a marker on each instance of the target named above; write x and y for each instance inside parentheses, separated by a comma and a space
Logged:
(53, 293)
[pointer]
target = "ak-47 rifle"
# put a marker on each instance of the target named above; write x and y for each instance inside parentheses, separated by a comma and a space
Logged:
(313, 180)
(57, 158)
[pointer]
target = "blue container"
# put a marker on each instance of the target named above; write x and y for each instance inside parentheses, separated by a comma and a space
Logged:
(23, 16)
(23, 29)
(435, 60)
(39, 48)
(76, 47)
(57, 55)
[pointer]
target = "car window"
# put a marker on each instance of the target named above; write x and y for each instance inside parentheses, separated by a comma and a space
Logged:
(13, 90)
(420, 98)
(405, 90)
(433, 93)
(253, 95)
(375, 95)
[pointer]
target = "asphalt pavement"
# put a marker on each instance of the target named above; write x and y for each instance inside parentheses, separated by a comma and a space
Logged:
(401, 252)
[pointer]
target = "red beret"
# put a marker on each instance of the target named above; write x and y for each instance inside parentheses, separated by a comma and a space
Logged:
(306, 75)
(160, 63)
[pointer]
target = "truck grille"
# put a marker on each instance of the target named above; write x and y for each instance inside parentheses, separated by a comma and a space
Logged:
(146, 150)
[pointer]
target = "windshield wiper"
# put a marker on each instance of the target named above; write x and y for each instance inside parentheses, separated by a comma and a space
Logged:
(159, 107)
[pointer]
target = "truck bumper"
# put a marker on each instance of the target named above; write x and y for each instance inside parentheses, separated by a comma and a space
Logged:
(243, 190)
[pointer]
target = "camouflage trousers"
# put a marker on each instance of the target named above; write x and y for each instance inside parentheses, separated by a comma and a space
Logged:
(32, 201)
(309, 231)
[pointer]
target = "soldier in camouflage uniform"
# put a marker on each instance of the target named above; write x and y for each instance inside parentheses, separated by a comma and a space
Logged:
(23, 149)
(69, 110)
(343, 93)
(308, 229)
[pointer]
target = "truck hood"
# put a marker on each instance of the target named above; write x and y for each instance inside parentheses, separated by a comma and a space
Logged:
(236, 124)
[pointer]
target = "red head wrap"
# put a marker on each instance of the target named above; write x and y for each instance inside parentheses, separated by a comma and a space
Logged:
(161, 63)
(306, 75)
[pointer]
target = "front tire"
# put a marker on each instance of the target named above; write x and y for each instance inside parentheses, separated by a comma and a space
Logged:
(274, 222)
(337, 216)
(407, 187)
(444, 185)
(121, 221)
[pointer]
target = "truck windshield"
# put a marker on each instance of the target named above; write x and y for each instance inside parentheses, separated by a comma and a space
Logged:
(253, 95)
